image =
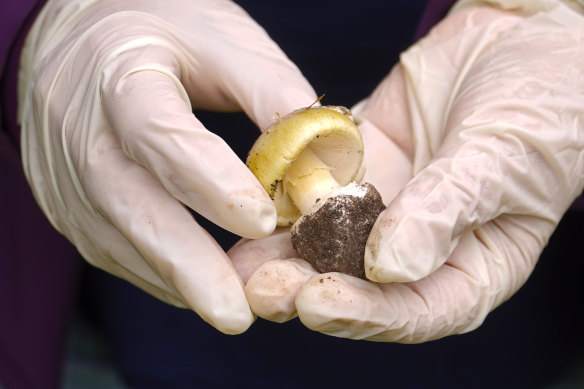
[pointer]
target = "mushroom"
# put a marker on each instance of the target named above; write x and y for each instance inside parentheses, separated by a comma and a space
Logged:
(307, 161)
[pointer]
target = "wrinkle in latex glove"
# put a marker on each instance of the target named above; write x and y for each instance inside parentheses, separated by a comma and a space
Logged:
(113, 152)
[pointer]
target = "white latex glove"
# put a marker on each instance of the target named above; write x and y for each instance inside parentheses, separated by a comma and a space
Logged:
(112, 150)
(488, 112)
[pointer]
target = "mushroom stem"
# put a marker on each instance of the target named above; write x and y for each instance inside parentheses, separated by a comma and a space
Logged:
(308, 180)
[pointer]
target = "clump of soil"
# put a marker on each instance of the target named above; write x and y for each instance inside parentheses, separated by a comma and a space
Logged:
(333, 235)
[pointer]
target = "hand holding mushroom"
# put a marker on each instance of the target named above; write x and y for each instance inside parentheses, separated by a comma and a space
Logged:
(113, 152)
(486, 115)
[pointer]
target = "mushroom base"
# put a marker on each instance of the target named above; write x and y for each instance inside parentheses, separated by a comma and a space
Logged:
(333, 235)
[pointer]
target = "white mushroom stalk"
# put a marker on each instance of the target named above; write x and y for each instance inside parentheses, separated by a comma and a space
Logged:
(308, 180)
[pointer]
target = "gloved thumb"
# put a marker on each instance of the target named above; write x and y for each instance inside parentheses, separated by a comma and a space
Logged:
(466, 185)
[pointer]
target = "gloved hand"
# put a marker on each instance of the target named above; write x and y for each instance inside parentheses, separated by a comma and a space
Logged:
(113, 152)
(487, 114)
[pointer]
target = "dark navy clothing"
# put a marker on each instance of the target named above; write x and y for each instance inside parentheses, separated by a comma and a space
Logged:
(344, 49)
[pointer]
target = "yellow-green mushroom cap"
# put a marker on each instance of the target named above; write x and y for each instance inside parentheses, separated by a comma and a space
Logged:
(332, 136)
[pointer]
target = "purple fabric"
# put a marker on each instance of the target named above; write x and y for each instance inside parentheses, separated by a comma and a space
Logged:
(435, 10)
(578, 205)
(38, 274)
(38, 267)
(15, 17)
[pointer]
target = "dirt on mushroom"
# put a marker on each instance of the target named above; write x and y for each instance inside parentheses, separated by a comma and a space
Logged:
(333, 237)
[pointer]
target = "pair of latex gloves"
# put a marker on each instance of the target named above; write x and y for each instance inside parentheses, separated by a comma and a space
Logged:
(474, 139)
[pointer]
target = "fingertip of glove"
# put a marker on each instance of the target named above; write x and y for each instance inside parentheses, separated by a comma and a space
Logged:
(390, 266)
(387, 260)
(260, 222)
(231, 322)
(250, 215)
(340, 305)
(407, 244)
(272, 289)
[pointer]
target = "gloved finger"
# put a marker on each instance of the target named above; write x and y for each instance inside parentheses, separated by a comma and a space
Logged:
(341, 305)
(151, 116)
(486, 268)
(272, 274)
(392, 109)
(455, 193)
(165, 235)
(247, 255)
(135, 269)
(272, 288)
